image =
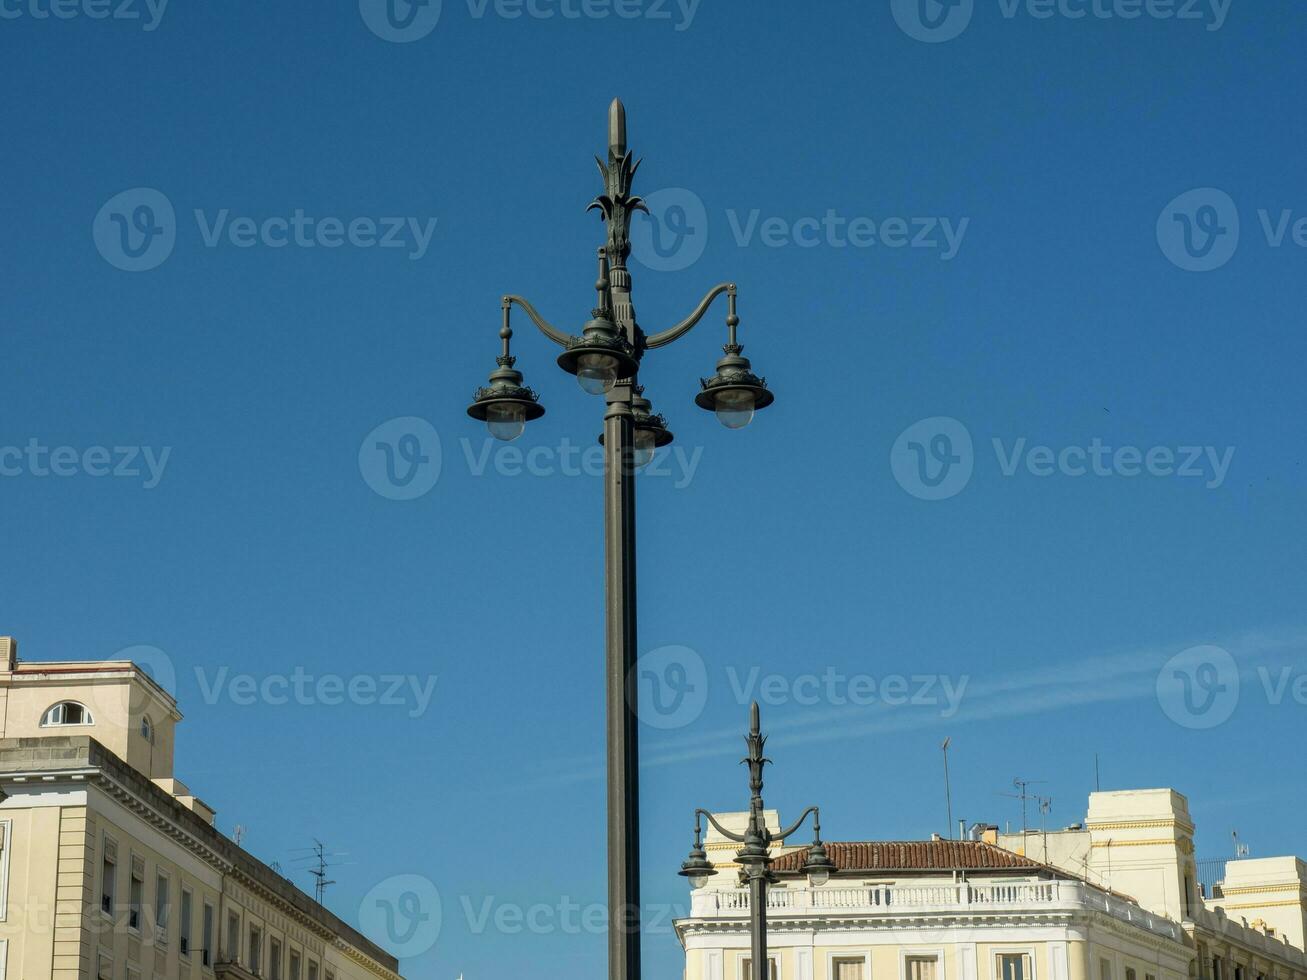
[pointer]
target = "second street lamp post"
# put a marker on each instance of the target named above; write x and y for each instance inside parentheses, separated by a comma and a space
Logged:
(606, 359)
(754, 857)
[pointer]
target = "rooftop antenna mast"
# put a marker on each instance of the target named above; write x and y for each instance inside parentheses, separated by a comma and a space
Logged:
(948, 789)
(1025, 796)
(320, 872)
(1241, 850)
(1045, 808)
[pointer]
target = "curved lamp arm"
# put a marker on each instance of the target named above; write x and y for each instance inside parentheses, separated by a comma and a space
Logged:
(685, 326)
(728, 834)
(549, 330)
(799, 823)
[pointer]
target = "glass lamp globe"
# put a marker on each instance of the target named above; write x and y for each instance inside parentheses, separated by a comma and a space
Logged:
(644, 446)
(734, 408)
(505, 420)
(596, 373)
(818, 877)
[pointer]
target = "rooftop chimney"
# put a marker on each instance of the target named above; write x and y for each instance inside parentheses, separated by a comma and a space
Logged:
(8, 653)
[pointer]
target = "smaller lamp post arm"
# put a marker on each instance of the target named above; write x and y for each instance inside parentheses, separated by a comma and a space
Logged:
(666, 337)
(728, 834)
(815, 812)
(548, 329)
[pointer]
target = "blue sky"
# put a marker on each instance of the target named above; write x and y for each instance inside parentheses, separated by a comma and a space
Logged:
(1033, 462)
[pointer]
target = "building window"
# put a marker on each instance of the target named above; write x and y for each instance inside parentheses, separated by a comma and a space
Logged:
(103, 967)
(1014, 966)
(186, 923)
(109, 877)
(848, 968)
(1105, 969)
(274, 959)
(66, 713)
(920, 968)
(233, 937)
(136, 895)
(206, 954)
(6, 830)
(746, 969)
(1130, 974)
(294, 965)
(162, 907)
(1217, 972)
(313, 970)
(256, 951)
(147, 730)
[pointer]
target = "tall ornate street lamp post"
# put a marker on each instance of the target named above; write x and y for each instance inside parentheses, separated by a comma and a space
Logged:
(754, 857)
(606, 359)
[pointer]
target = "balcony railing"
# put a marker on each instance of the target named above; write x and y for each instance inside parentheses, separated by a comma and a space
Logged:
(887, 900)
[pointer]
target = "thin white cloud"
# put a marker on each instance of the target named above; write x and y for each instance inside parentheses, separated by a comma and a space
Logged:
(1105, 678)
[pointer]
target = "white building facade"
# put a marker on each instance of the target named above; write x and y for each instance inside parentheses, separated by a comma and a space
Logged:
(973, 910)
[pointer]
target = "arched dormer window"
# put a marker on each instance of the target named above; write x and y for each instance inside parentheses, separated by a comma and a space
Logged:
(147, 730)
(66, 713)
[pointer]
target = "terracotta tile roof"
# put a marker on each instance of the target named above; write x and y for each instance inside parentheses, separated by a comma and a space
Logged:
(918, 855)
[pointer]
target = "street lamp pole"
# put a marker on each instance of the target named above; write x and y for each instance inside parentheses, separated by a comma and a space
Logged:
(754, 858)
(606, 359)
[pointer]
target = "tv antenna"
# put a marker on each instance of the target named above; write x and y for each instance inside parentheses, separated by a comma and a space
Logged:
(239, 834)
(1026, 797)
(948, 790)
(319, 861)
(1241, 850)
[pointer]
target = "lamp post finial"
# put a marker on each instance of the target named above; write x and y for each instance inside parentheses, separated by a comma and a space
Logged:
(617, 128)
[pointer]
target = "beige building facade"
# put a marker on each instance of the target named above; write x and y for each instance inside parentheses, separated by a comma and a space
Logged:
(1115, 899)
(112, 869)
